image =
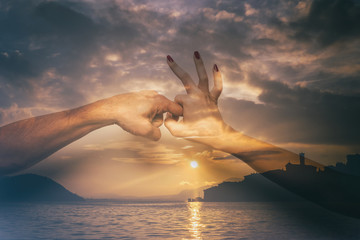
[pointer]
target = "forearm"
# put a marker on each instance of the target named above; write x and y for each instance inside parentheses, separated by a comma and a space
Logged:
(26, 142)
(326, 186)
(259, 155)
(202, 122)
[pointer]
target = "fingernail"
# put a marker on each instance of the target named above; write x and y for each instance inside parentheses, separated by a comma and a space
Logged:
(197, 54)
(170, 58)
(216, 68)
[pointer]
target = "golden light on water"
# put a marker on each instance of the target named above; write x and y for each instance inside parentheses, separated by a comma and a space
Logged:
(194, 164)
(195, 219)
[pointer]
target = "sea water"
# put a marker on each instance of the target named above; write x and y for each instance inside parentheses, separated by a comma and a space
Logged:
(173, 220)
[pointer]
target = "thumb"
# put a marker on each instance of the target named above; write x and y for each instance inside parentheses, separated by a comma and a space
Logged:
(176, 128)
(146, 129)
(153, 132)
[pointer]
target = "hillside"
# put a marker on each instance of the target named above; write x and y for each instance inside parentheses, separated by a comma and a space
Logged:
(34, 188)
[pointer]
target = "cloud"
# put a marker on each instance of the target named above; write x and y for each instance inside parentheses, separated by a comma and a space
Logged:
(54, 36)
(296, 114)
(328, 22)
(214, 15)
(249, 10)
(141, 151)
(186, 183)
(291, 68)
(13, 112)
(63, 54)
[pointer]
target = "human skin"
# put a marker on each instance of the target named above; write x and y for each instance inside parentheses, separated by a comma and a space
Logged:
(26, 142)
(202, 123)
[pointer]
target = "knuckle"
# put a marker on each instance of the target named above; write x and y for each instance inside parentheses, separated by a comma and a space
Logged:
(160, 99)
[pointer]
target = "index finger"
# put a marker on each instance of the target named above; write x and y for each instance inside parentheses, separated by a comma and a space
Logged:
(200, 68)
(166, 105)
(182, 75)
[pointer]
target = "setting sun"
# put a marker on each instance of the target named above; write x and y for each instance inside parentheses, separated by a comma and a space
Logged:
(194, 164)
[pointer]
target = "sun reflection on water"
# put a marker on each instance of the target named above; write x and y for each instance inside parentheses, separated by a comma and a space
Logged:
(195, 219)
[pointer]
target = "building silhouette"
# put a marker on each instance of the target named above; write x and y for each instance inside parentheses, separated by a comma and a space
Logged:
(334, 187)
(302, 168)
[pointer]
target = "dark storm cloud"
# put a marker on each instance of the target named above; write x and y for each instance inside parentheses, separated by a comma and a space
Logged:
(14, 66)
(329, 21)
(67, 33)
(31, 34)
(65, 21)
(47, 47)
(324, 110)
(15, 25)
(37, 36)
(340, 84)
(297, 115)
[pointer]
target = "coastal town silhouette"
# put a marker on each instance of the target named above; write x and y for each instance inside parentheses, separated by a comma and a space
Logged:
(334, 187)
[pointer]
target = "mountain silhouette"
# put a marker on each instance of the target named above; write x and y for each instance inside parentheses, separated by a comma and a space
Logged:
(34, 188)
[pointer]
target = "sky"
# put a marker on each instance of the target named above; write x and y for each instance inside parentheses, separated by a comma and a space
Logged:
(291, 72)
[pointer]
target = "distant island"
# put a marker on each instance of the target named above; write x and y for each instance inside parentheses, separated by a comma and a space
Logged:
(340, 183)
(34, 188)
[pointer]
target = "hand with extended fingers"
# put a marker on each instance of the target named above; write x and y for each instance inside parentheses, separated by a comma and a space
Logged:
(201, 116)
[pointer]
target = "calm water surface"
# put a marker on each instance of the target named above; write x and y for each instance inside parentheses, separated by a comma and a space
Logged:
(116, 220)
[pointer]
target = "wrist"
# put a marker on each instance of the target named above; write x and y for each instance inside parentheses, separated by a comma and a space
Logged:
(235, 142)
(225, 141)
